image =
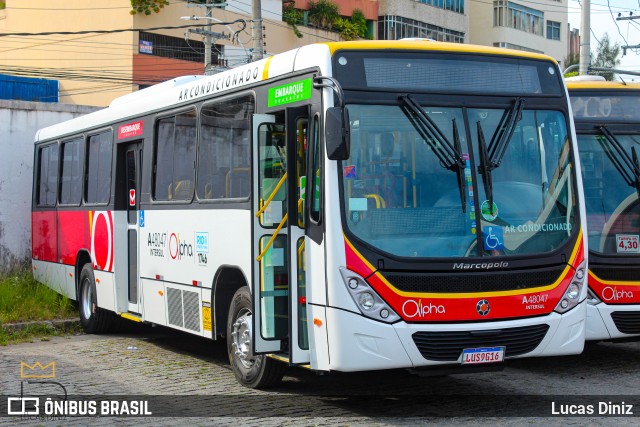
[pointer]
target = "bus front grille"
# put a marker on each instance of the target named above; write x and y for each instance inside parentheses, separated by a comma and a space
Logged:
(473, 281)
(627, 322)
(448, 346)
(622, 273)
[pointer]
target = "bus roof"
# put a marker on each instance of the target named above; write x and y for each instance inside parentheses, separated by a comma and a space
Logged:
(600, 85)
(181, 90)
(426, 44)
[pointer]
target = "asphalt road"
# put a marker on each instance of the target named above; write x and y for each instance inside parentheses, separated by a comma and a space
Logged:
(195, 379)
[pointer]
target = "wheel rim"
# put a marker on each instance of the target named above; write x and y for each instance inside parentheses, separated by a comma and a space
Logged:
(242, 335)
(87, 298)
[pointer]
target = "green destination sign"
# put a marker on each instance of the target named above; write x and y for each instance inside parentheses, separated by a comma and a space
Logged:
(291, 92)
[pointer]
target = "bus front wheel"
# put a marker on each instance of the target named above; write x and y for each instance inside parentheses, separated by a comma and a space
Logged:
(94, 320)
(251, 370)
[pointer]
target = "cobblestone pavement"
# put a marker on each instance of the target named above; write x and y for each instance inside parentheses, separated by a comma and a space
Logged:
(162, 362)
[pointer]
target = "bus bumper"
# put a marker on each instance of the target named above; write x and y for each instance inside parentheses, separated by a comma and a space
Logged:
(359, 344)
(601, 324)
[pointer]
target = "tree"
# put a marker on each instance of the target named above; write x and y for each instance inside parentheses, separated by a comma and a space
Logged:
(354, 28)
(147, 6)
(572, 59)
(293, 17)
(606, 56)
(323, 13)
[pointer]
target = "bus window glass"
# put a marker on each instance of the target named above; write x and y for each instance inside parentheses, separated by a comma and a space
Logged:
(611, 199)
(175, 157)
(47, 175)
(533, 188)
(99, 155)
(71, 173)
(316, 186)
(223, 155)
(399, 195)
(302, 131)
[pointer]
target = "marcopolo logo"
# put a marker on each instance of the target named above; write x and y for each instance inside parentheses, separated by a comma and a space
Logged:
(179, 248)
(483, 265)
(412, 308)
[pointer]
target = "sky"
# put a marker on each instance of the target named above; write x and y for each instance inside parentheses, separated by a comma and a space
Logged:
(602, 21)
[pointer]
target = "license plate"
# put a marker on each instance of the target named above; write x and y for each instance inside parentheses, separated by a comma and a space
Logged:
(474, 356)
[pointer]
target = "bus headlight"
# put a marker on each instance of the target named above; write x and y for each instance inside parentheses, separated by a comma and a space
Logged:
(571, 296)
(367, 300)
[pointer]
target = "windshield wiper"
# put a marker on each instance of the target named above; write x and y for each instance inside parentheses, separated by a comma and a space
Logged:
(502, 136)
(628, 166)
(485, 168)
(449, 155)
(491, 157)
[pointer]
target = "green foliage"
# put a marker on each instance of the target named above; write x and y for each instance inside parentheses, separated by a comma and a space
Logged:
(360, 22)
(348, 29)
(607, 55)
(571, 74)
(31, 332)
(354, 28)
(323, 13)
(2, 5)
(147, 6)
(293, 17)
(23, 299)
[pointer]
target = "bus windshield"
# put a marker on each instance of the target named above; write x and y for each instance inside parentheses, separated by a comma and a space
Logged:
(406, 198)
(611, 191)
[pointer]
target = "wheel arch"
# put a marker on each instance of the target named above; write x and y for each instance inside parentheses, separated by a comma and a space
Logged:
(227, 280)
(83, 257)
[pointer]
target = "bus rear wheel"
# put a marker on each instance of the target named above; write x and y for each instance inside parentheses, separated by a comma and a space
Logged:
(251, 370)
(94, 320)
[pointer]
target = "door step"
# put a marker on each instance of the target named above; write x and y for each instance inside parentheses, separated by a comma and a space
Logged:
(131, 316)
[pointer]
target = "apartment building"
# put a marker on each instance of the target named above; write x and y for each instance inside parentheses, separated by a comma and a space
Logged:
(94, 68)
(534, 26)
(442, 20)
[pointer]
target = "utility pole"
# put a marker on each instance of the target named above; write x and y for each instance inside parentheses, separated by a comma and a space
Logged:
(207, 40)
(256, 30)
(207, 35)
(585, 38)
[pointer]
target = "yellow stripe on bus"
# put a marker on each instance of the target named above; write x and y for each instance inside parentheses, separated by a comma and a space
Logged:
(265, 70)
(471, 294)
(432, 46)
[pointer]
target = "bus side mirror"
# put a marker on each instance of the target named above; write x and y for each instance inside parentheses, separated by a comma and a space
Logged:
(336, 132)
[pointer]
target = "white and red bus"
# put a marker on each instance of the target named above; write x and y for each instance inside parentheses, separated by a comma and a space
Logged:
(343, 206)
(607, 119)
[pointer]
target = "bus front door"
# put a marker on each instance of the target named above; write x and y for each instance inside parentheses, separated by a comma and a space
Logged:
(128, 199)
(279, 295)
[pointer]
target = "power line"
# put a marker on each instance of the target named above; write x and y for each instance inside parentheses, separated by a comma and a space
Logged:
(50, 33)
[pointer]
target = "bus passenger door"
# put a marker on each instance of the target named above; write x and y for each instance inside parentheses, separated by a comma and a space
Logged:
(297, 133)
(270, 284)
(132, 165)
(279, 293)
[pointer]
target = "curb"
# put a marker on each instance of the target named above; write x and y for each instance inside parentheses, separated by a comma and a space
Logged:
(58, 324)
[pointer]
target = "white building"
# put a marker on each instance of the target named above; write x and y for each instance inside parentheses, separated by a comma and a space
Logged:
(442, 20)
(535, 26)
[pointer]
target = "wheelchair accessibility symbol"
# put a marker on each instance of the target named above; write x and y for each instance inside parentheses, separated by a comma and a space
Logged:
(493, 238)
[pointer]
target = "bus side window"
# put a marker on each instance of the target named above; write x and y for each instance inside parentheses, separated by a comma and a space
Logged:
(98, 169)
(47, 176)
(175, 157)
(71, 172)
(223, 152)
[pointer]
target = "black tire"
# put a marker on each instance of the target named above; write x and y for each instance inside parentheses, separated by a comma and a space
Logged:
(94, 320)
(253, 371)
